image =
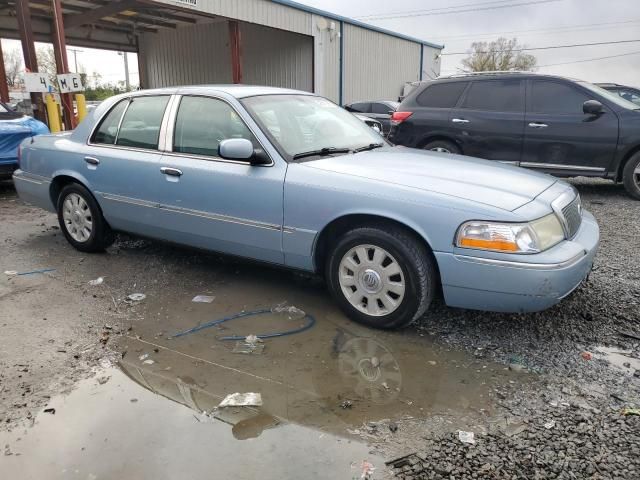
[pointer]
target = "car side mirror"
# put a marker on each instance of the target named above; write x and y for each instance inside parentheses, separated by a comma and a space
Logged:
(592, 107)
(242, 149)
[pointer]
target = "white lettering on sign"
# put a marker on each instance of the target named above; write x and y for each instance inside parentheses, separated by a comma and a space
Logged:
(193, 3)
(37, 82)
(70, 82)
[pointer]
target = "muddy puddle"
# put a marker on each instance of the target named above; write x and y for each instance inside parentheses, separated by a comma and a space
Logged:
(333, 395)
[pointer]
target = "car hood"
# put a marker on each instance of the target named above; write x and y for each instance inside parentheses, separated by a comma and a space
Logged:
(480, 181)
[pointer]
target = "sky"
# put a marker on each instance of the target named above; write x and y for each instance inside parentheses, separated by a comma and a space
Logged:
(457, 23)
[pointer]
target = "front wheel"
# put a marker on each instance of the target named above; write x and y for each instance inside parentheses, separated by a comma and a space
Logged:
(631, 176)
(383, 278)
(81, 220)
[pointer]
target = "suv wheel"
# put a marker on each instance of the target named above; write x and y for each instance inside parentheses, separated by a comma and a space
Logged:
(381, 277)
(443, 146)
(81, 220)
(631, 176)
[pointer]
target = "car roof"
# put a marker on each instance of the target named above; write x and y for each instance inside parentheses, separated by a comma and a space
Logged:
(501, 75)
(237, 91)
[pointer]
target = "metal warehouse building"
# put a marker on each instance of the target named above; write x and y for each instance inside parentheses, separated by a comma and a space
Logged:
(268, 42)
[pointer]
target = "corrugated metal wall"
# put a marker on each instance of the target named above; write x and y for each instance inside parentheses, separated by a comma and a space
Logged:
(376, 66)
(262, 12)
(276, 58)
(187, 56)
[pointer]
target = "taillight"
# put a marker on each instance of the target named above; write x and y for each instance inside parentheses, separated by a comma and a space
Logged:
(398, 117)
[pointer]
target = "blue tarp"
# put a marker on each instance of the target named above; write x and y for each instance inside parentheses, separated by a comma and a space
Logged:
(13, 131)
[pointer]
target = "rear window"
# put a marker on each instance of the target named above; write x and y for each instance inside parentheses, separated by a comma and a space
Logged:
(441, 95)
(495, 95)
(360, 107)
(108, 129)
(141, 123)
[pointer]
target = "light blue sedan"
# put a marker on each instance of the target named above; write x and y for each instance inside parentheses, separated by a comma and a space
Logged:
(289, 178)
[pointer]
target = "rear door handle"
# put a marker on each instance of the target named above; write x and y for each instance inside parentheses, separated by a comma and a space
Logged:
(92, 160)
(174, 172)
(460, 120)
(538, 125)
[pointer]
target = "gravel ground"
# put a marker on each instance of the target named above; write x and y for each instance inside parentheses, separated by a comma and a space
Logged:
(585, 393)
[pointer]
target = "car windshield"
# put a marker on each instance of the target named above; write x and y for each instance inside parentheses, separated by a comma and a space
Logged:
(4, 108)
(611, 96)
(307, 126)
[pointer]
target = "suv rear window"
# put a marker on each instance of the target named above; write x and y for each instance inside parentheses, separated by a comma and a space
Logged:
(495, 95)
(441, 95)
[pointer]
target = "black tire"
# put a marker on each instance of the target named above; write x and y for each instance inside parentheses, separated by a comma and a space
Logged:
(630, 178)
(444, 145)
(101, 235)
(414, 259)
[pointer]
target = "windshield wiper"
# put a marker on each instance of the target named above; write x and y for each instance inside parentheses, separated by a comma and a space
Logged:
(371, 146)
(321, 152)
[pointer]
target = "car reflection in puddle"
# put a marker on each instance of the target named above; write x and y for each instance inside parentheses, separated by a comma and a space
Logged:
(335, 377)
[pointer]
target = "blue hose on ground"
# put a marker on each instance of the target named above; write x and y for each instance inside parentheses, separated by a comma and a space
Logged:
(310, 322)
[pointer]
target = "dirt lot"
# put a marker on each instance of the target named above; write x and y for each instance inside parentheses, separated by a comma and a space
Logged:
(543, 393)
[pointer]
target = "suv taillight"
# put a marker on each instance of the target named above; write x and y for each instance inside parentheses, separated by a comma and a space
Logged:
(398, 117)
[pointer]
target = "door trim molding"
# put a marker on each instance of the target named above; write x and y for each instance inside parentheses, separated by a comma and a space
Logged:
(561, 167)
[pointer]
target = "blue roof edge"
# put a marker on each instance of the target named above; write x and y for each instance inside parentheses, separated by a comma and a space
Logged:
(334, 16)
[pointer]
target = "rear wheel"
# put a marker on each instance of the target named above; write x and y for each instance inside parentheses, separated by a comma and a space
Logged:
(442, 146)
(381, 277)
(81, 220)
(631, 176)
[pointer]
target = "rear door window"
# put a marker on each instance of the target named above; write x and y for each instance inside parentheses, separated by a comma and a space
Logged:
(140, 126)
(495, 95)
(554, 97)
(202, 123)
(108, 129)
(441, 95)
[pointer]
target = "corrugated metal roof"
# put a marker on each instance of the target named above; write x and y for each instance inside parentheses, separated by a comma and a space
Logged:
(324, 13)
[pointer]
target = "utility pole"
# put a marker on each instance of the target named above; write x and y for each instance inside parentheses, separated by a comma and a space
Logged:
(75, 57)
(126, 70)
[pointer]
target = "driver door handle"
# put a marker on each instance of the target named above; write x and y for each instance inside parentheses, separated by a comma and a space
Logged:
(174, 172)
(92, 160)
(460, 120)
(538, 125)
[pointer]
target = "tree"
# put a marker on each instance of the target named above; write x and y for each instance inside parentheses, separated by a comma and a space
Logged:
(499, 55)
(47, 63)
(13, 66)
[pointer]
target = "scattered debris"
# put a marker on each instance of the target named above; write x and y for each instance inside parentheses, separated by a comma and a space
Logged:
(624, 334)
(7, 450)
(52, 411)
(586, 355)
(149, 362)
(550, 424)
(96, 282)
(203, 299)
(242, 400)
(367, 470)
(10, 273)
(248, 348)
(143, 357)
(346, 404)
(103, 380)
(136, 297)
(134, 400)
(432, 362)
(466, 437)
(393, 426)
(631, 411)
(290, 310)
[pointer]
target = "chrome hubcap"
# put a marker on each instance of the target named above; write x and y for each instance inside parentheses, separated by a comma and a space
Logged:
(371, 280)
(77, 217)
(636, 175)
(440, 149)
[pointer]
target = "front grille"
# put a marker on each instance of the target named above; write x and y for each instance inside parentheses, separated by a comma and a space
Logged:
(572, 214)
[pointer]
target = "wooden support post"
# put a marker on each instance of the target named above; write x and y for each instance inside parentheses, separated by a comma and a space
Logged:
(4, 86)
(62, 65)
(235, 46)
(29, 53)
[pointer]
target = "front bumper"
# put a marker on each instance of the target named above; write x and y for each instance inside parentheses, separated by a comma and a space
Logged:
(519, 284)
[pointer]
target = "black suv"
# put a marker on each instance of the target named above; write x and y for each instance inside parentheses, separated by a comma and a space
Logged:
(548, 123)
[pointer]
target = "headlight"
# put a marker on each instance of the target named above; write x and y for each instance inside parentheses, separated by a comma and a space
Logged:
(532, 237)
